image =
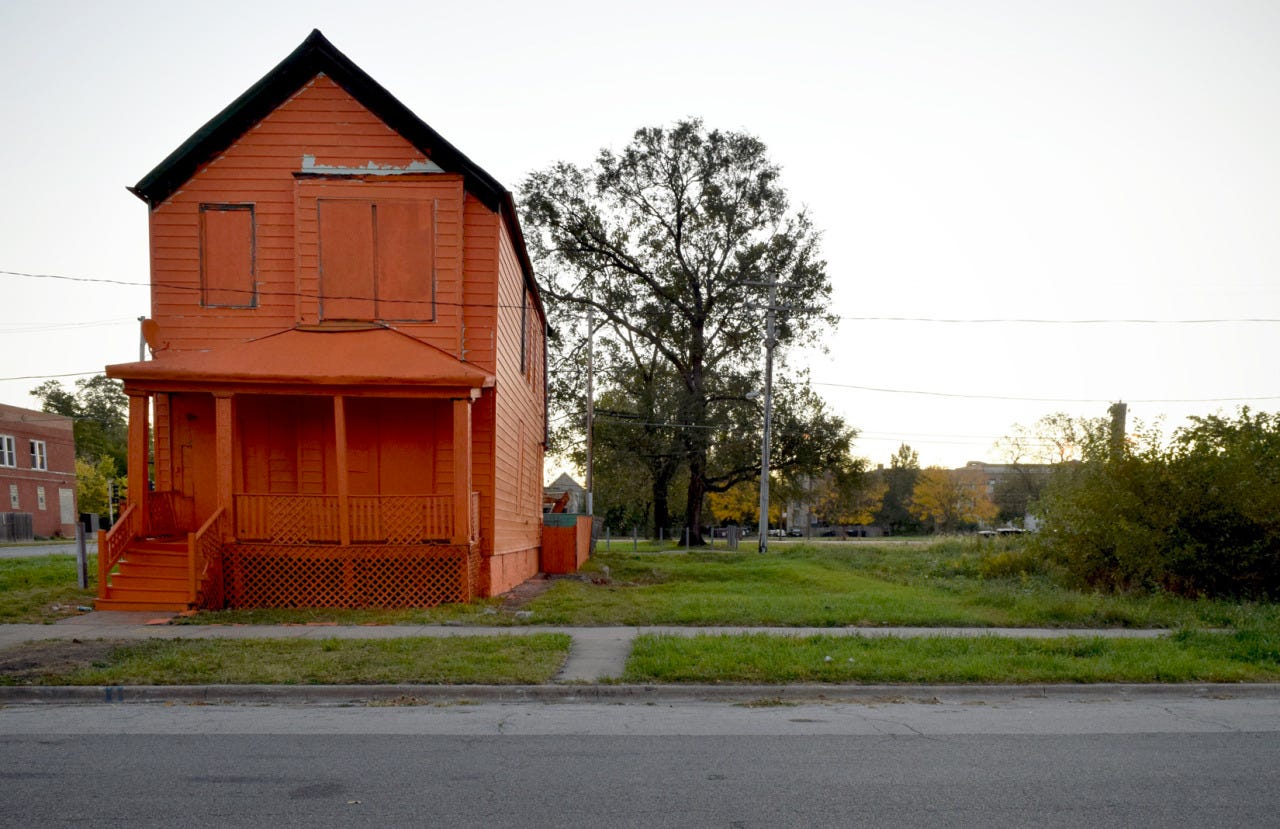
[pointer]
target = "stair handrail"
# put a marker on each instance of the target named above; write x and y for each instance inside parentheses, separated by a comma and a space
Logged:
(203, 548)
(112, 544)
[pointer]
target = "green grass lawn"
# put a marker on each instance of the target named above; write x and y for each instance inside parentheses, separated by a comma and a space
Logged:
(43, 588)
(490, 660)
(957, 582)
(830, 585)
(1184, 657)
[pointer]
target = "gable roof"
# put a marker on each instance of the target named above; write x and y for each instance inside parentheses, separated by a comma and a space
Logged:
(314, 56)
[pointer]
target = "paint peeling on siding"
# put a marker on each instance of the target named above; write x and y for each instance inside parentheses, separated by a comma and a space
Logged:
(309, 165)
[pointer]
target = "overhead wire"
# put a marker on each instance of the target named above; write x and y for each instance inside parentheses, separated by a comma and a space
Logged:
(865, 318)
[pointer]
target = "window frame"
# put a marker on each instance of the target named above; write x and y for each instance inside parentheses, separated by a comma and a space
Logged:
(39, 455)
(230, 207)
(383, 308)
(8, 452)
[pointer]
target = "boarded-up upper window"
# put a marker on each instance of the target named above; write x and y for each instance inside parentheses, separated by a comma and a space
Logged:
(376, 260)
(226, 256)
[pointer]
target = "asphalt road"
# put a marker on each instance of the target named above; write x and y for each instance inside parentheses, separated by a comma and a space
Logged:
(1155, 761)
(31, 550)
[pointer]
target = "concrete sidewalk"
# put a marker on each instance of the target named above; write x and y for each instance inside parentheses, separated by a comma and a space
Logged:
(597, 653)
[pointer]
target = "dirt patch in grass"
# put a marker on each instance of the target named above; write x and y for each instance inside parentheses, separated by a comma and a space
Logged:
(520, 595)
(36, 662)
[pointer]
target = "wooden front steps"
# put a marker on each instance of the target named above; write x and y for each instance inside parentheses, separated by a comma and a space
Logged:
(152, 576)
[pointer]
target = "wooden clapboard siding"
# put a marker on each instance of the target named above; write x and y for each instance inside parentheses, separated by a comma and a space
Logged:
(518, 427)
(480, 283)
(323, 121)
(477, 336)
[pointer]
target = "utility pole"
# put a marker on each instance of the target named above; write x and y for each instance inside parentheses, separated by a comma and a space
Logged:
(769, 342)
(591, 407)
(1118, 412)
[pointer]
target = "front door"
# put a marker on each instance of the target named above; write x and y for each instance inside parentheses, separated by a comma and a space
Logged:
(195, 459)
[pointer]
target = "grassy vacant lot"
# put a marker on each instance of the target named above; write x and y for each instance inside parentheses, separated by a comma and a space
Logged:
(956, 582)
(490, 660)
(43, 588)
(959, 582)
(1187, 656)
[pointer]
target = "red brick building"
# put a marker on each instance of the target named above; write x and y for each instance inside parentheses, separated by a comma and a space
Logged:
(38, 469)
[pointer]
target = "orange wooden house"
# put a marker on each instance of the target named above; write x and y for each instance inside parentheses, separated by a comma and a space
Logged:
(346, 397)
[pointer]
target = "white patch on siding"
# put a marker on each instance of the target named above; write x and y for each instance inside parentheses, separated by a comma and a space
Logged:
(309, 165)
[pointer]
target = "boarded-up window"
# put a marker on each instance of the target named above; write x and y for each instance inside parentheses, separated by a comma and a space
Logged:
(226, 256)
(376, 260)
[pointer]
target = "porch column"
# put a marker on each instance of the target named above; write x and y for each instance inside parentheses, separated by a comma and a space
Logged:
(344, 480)
(461, 472)
(223, 433)
(138, 479)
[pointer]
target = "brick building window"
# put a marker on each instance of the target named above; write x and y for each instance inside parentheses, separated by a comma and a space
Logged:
(39, 455)
(14, 503)
(40, 498)
(8, 455)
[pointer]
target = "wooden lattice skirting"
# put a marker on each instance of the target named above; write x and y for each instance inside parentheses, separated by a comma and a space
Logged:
(425, 575)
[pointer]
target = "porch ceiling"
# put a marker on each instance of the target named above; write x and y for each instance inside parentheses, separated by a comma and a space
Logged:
(367, 357)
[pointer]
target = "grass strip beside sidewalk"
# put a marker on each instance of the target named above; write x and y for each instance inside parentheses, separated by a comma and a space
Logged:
(489, 660)
(1190, 656)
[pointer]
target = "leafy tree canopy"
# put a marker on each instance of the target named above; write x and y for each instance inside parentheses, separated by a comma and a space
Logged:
(669, 243)
(101, 411)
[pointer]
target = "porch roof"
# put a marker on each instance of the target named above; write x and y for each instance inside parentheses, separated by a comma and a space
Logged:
(321, 356)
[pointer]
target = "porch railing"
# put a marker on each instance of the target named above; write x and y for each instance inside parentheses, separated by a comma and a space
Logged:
(204, 561)
(288, 519)
(374, 519)
(170, 513)
(112, 543)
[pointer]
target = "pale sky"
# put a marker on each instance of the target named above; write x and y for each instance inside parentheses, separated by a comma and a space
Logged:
(982, 160)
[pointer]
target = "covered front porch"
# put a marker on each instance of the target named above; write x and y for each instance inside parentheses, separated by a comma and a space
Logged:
(274, 494)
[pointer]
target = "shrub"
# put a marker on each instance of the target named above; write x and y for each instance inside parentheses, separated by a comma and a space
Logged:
(1199, 517)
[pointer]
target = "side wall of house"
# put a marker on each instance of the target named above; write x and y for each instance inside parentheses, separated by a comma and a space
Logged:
(480, 302)
(519, 426)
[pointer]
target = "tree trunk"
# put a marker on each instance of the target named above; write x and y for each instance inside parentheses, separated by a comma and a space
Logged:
(695, 439)
(661, 509)
(697, 489)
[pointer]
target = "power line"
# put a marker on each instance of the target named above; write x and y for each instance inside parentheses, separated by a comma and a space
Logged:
(52, 376)
(1030, 321)
(959, 396)
(253, 293)
(850, 318)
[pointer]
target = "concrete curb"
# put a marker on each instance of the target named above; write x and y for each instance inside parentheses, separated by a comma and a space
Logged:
(620, 694)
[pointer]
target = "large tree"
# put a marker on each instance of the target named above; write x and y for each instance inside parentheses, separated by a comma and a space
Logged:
(951, 499)
(671, 243)
(1034, 454)
(101, 411)
(900, 482)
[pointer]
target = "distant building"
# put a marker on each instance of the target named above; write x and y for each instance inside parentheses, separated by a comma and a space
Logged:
(1014, 487)
(560, 487)
(37, 474)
